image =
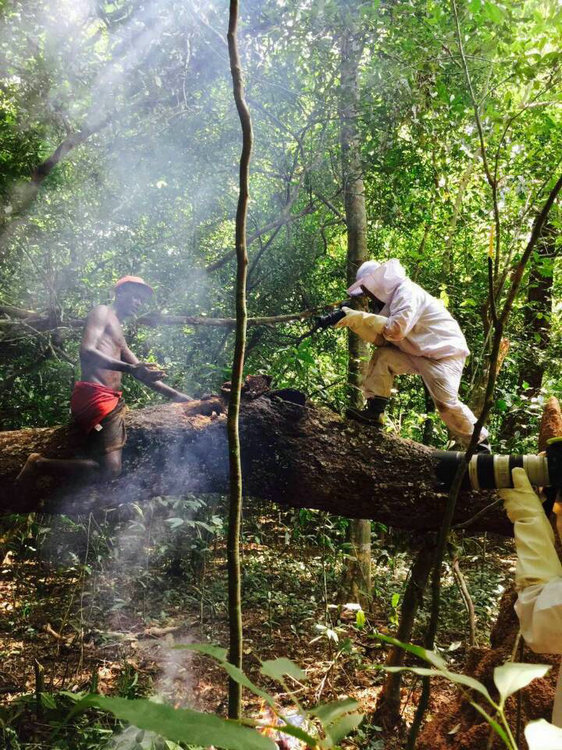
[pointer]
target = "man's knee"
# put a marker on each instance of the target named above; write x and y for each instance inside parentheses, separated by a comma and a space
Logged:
(446, 407)
(112, 466)
(383, 359)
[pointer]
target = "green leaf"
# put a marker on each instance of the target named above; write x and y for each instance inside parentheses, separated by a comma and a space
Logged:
(343, 726)
(470, 682)
(277, 668)
(429, 656)
(511, 677)
(459, 679)
(175, 523)
(181, 724)
(493, 12)
(501, 404)
(328, 712)
(48, 701)
(541, 735)
(300, 734)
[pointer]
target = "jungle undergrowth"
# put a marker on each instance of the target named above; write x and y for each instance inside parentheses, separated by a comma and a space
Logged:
(162, 569)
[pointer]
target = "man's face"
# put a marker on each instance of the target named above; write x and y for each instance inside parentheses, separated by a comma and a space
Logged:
(370, 296)
(130, 298)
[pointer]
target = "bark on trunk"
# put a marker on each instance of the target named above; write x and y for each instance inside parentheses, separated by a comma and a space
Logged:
(538, 311)
(358, 573)
(235, 504)
(302, 456)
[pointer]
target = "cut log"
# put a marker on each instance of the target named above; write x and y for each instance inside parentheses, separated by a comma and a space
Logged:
(304, 456)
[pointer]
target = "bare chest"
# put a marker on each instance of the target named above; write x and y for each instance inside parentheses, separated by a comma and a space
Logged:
(112, 341)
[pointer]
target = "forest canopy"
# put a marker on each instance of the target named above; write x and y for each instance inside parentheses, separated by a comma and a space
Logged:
(119, 155)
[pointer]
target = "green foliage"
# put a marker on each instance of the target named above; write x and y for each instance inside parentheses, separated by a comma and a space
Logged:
(509, 678)
(180, 724)
(49, 716)
(337, 719)
(142, 196)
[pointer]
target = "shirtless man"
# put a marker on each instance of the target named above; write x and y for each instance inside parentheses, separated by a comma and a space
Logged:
(96, 403)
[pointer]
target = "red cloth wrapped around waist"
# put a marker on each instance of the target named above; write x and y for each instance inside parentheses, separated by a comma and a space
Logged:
(91, 402)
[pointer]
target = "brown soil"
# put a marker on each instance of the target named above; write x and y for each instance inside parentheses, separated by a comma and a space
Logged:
(551, 422)
(461, 727)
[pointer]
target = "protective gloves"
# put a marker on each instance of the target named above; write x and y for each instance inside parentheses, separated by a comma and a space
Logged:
(366, 325)
(558, 513)
(538, 575)
(537, 560)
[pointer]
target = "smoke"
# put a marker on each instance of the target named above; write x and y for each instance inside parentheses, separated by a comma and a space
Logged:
(129, 586)
(135, 78)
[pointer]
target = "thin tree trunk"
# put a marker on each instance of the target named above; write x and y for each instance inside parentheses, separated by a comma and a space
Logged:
(235, 507)
(467, 599)
(538, 310)
(358, 574)
(537, 326)
(388, 708)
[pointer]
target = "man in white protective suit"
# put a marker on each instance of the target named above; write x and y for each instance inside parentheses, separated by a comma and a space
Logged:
(538, 576)
(415, 333)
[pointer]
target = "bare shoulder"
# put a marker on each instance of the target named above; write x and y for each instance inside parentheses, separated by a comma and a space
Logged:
(98, 314)
(102, 319)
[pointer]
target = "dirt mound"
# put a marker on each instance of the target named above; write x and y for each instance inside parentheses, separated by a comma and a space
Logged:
(462, 727)
(551, 422)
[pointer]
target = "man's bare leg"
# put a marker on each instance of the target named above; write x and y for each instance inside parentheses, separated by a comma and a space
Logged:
(108, 467)
(111, 464)
(36, 465)
(29, 470)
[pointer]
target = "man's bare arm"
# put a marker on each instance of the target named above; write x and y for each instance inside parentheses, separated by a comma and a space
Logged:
(128, 356)
(158, 385)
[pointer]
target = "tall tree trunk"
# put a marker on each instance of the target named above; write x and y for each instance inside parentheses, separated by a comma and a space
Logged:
(235, 463)
(388, 707)
(358, 574)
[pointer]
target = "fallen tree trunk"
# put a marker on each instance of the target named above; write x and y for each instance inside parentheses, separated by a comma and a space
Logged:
(299, 455)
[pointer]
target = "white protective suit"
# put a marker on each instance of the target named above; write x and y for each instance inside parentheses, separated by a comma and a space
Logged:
(425, 339)
(538, 576)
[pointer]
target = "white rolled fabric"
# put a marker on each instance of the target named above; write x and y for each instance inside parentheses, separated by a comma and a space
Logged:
(539, 609)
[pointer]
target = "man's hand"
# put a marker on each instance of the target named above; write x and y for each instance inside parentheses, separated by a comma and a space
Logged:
(366, 325)
(147, 372)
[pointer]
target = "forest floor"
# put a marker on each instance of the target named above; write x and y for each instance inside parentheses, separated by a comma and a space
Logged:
(94, 604)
